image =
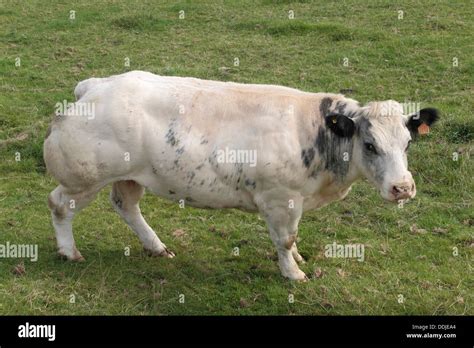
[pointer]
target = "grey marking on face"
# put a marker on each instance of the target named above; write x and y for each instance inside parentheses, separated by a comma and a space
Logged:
(324, 106)
(374, 162)
(341, 107)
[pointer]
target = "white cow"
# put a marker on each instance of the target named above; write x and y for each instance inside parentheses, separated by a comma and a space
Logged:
(271, 149)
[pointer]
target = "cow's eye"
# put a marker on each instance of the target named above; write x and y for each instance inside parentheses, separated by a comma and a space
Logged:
(369, 147)
(408, 145)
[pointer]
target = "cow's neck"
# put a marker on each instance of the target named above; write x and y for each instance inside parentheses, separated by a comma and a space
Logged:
(335, 155)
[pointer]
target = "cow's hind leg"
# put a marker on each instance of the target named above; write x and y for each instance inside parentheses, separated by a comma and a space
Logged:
(125, 196)
(64, 204)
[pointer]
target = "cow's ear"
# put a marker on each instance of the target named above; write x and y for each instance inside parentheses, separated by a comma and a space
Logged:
(340, 125)
(421, 122)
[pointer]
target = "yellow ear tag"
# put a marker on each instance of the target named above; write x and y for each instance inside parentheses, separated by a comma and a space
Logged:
(334, 120)
(423, 129)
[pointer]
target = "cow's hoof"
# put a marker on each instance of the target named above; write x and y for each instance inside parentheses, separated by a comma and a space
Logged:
(167, 253)
(303, 279)
(299, 276)
(160, 253)
(73, 255)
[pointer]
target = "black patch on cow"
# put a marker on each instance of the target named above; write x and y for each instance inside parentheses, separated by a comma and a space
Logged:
(191, 176)
(213, 158)
(324, 106)
(332, 150)
(251, 183)
(307, 155)
(189, 199)
(239, 168)
(117, 201)
(427, 116)
(171, 192)
(171, 137)
(59, 118)
(180, 151)
(200, 166)
(202, 182)
(176, 164)
(213, 182)
(340, 125)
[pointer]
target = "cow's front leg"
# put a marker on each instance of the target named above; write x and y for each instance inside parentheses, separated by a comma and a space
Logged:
(282, 213)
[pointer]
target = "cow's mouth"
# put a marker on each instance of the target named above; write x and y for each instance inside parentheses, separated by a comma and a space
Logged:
(390, 197)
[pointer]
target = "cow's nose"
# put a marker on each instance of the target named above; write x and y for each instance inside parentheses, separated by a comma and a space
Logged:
(403, 190)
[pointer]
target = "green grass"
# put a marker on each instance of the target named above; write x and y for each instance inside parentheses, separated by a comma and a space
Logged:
(406, 60)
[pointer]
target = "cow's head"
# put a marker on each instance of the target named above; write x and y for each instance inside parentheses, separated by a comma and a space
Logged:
(381, 136)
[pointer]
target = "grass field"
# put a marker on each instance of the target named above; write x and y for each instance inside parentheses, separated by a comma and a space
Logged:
(418, 259)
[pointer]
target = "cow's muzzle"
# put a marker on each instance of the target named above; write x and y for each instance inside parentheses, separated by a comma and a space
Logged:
(401, 191)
